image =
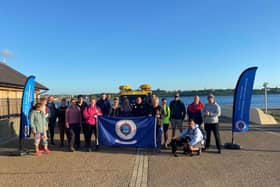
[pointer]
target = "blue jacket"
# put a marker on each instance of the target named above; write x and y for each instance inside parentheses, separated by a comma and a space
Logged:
(194, 134)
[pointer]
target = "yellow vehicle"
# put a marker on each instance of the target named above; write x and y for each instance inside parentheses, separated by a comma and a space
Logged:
(126, 92)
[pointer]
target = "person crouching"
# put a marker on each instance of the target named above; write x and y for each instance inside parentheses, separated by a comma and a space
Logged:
(39, 127)
(190, 139)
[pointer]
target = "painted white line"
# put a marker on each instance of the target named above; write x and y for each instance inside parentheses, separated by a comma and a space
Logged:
(139, 176)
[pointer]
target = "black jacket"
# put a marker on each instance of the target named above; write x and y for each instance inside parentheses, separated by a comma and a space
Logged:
(82, 107)
(155, 111)
(139, 110)
(105, 106)
(115, 112)
(61, 114)
(177, 109)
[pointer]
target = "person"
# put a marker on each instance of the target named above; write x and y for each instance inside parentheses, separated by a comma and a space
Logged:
(73, 121)
(115, 109)
(61, 122)
(39, 127)
(194, 110)
(82, 105)
(104, 104)
(138, 108)
(178, 113)
(90, 114)
(166, 120)
(125, 108)
(45, 108)
(149, 101)
(52, 118)
(190, 139)
(211, 113)
(157, 112)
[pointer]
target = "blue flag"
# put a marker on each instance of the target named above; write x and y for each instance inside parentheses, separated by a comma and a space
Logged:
(127, 132)
(242, 100)
(26, 105)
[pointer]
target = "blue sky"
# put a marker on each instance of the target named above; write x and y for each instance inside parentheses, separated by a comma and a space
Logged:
(94, 46)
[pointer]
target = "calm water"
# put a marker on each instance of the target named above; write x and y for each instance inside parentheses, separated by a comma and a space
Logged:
(257, 100)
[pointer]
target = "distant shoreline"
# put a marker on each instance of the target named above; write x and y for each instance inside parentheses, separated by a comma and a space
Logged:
(187, 93)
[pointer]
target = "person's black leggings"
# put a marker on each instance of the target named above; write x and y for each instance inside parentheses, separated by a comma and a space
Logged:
(63, 130)
(74, 139)
(215, 128)
(89, 130)
(84, 129)
(51, 126)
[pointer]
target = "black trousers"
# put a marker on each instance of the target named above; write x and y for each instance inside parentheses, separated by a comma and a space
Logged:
(215, 128)
(51, 125)
(89, 130)
(62, 131)
(84, 129)
(178, 143)
(74, 139)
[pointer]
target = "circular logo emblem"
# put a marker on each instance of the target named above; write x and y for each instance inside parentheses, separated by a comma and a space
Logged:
(240, 125)
(126, 129)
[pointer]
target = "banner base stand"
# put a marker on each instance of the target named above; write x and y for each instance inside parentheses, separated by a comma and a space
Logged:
(231, 145)
(20, 153)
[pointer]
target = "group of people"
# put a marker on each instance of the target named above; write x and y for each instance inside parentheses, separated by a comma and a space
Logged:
(82, 116)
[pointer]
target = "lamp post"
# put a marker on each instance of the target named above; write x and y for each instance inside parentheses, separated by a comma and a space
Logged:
(265, 85)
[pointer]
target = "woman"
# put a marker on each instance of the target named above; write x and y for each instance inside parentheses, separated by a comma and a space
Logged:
(115, 109)
(61, 122)
(157, 112)
(90, 114)
(126, 109)
(211, 113)
(166, 120)
(73, 121)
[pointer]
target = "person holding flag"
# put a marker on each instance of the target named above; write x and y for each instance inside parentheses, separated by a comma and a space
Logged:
(157, 112)
(90, 114)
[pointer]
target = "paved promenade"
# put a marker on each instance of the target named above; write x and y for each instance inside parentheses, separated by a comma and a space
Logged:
(257, 164)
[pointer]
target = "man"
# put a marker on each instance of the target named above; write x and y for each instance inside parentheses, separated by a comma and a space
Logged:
(190, 139)
(178, 113)
(194, 110)
(52, 115)
(82, 105)
(115, 109)
(104, 104)
(138, 108)
(211, 113)
(61, 122)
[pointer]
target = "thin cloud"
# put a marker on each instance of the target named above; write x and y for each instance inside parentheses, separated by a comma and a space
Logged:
(6, 53)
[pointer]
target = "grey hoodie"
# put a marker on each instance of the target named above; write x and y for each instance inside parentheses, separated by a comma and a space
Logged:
(215, 113)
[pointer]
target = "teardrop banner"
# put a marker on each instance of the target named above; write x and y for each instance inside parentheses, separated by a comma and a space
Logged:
(242, 104)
